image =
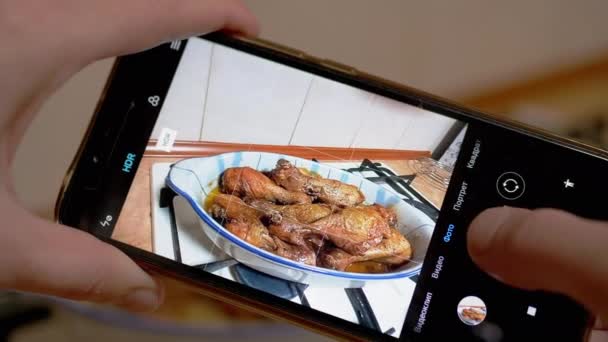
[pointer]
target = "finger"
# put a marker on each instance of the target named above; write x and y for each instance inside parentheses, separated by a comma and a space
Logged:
(599, 336)
(138, 25)
(599, 325)
(544, 249)
(55, 260)
(84, 31)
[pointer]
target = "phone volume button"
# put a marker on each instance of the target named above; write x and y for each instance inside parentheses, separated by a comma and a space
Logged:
(274, 46)
(339, 66)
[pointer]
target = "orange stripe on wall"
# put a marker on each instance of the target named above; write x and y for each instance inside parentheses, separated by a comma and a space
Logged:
(187, 149)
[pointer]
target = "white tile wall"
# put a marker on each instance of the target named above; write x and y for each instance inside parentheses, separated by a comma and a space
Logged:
(252, 100)
(183, 107)
(425, 131)
(332, 115)
(385, 124)
(220, 94)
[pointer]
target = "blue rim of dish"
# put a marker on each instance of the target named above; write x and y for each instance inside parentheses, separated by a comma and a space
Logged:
(273, 257)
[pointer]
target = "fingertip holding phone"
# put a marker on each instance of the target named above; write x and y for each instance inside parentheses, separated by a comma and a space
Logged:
(319, 193)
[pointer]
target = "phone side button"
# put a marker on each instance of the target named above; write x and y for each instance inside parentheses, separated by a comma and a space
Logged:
(339, 66)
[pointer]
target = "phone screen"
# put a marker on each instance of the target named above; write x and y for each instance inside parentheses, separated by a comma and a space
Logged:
(337, 199)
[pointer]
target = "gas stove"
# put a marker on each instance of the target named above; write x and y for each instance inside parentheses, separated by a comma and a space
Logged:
(177, 235)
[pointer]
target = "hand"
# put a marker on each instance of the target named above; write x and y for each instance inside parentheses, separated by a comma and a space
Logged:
(44, 43)
(555, 251)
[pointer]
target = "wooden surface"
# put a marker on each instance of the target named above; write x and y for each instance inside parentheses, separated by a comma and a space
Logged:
(500, 100)
(421, 183)
(189, 307)
(134, 225)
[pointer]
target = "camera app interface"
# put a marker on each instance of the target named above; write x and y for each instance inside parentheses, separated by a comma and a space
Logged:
(322, 194)
(293, 184)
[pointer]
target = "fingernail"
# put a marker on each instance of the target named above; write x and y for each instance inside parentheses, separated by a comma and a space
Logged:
(484, 227)
(497, 277)
(145, 299)
(599, 324)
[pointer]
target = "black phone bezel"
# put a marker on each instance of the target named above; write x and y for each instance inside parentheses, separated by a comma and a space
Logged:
(126, 84)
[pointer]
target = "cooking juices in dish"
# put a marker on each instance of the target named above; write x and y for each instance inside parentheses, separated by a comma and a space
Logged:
(304, 217)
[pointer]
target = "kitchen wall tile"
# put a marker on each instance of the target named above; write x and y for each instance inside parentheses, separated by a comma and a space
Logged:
(183, 107)
(385, 124)
(426, 131)
(252, 100)
(332, 115)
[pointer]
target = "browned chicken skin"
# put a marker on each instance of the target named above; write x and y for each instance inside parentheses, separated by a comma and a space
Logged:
(303, 213)
(354, 229)
(389, 215)
(283, 217)
(247, 182)
(326, 190)
(303, 254)
(341, 233)
(474, 314)
(394, 250)
(242, 221)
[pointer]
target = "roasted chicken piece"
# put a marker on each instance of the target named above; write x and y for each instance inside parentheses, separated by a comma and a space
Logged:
(303, 253)
(389, 215)
(246, 182)
(242, 221)
(393, 250)
(326, 190)
(315, 242)
(473, 314)
(355, 229)
(303, 213)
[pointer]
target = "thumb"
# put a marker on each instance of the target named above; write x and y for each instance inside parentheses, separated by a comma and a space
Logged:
(55, 260)
(544, 249)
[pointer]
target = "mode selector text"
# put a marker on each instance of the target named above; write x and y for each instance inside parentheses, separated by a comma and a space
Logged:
(127, 165)
(461, 196)
(474, 155)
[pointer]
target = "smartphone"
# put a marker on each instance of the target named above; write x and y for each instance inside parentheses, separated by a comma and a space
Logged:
(319, 194)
